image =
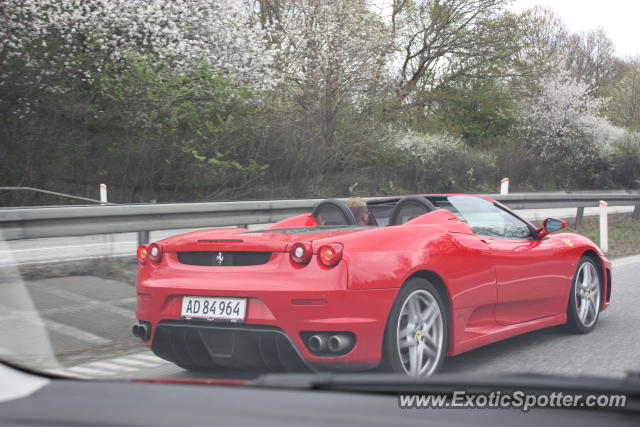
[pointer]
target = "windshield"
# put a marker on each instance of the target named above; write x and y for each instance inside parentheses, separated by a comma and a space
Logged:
(488, 219)
(161, 161)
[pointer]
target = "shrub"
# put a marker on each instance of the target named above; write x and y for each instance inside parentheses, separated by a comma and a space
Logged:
(440, 163)
(562, 130)
(625, 160)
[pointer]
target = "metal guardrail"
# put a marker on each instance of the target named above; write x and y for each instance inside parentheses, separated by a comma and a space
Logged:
(565, 200)
(28, 223)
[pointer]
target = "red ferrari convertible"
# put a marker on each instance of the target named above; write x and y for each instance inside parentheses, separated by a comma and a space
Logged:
(425, 277)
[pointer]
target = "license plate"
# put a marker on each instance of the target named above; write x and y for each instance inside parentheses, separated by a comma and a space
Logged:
(232, 309)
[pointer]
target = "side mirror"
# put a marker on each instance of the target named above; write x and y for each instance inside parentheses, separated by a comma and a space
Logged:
(550, 225)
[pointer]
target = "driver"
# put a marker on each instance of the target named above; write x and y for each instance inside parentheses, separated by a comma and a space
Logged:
(358, 207)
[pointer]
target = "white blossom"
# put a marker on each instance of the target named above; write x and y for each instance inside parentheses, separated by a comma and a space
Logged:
(335, 47)
(428, 147)
(81, 37)
(562, 121)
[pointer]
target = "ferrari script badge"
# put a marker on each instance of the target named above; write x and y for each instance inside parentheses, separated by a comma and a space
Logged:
(220, 258)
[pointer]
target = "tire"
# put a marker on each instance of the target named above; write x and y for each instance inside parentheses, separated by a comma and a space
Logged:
(406, 352)
(585, 297)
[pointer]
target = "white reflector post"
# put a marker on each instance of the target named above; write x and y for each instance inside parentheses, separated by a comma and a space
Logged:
(604, 236)
(504, 186)
(103, 193)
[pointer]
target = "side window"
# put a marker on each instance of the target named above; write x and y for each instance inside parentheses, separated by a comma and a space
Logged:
(486, 219)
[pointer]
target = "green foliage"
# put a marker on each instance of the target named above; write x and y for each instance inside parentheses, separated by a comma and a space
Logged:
(439, 162)
(180, 118)
(624, 102)
(625, 160)
(449, 96)
(624, 233)
(481, 111)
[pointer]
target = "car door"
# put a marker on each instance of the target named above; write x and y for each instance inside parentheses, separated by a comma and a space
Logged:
(531, 279)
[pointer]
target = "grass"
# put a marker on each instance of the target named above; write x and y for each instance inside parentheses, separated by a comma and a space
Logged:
(624, 233)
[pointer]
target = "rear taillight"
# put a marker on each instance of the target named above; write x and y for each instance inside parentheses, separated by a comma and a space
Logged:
(155, 252)
(301, 253)
(330, 255)
(143, 254)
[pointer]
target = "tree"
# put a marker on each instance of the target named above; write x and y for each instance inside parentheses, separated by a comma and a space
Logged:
(625, 160)
(562, 128)
(131, 91)
(76, 40)
(624, 104)
(438, 41)
(331, 68)
(436, 162)
(481, 111)
(331, 53)
(275, 98)
(542, 41)
(590, 58)
(163, 124)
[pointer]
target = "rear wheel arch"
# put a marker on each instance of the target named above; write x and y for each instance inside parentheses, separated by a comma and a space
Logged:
(437, 282)
(596, 259)
(432, 283)
(604, 275)
(592, 254)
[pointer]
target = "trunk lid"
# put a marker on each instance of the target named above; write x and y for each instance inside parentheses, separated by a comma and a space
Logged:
(242, 240)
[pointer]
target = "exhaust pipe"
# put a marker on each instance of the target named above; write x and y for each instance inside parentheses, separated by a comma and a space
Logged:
(317, 343)
(141, 331)
(340, 342)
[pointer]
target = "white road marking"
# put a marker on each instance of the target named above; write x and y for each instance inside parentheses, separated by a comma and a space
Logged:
(78, 307)
(119, 366)
(149, 356)
(85, 300)
(64, 372)
(9, 314)
(106, 365)
(87, 371)
(63, 329)
(137, 363)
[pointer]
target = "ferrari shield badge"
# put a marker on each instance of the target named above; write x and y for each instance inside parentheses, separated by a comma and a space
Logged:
(568, 242)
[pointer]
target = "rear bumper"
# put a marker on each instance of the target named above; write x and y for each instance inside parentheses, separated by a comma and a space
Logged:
(202, 345)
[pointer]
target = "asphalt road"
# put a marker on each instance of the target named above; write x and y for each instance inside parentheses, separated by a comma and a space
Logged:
(88, 319)
(611, 349)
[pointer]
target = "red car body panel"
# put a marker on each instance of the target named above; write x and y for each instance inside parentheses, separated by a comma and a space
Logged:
(495, 288)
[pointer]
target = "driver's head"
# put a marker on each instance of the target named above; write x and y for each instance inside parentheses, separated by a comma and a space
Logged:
(359, 209)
